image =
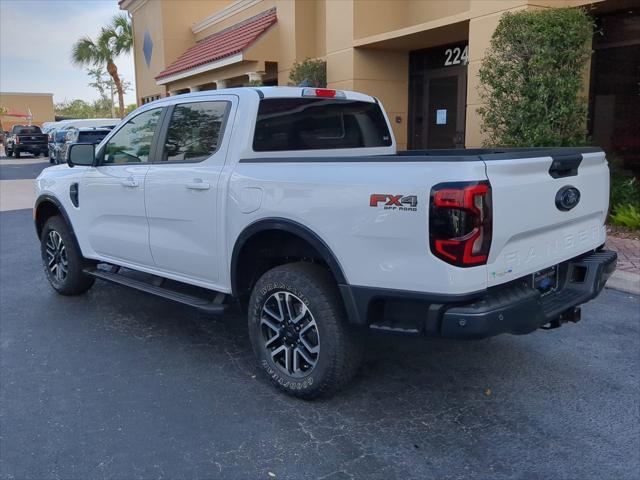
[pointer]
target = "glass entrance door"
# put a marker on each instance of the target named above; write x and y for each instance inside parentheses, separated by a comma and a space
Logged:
(442, 112)
(437, 98)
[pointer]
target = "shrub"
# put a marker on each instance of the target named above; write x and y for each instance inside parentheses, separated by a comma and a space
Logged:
(627, 215)
(624, 189)
(531, 78)
(310, 73)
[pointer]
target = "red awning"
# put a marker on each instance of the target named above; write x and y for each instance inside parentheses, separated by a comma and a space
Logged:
(225, 43)
(16, 113)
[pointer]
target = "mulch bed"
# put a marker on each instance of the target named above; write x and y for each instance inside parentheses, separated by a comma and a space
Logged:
(623, 232)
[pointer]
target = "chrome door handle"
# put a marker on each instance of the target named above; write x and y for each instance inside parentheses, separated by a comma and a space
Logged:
(198, 185)
(130, 182)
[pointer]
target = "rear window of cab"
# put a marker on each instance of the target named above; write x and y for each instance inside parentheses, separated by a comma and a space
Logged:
(318, 124)
(27, 130)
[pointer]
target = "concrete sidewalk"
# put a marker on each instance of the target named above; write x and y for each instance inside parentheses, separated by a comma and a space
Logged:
(627, 275)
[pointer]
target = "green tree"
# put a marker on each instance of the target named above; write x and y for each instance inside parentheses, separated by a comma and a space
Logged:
(311, 72)
(75, 109)
(130, 108)
(105, 88)
(113, 40)
(531, 79)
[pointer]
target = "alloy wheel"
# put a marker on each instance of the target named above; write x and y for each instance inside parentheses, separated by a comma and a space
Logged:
(57, 261)
(290, 334)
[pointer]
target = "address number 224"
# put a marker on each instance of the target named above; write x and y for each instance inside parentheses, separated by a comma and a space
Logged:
(456, 56)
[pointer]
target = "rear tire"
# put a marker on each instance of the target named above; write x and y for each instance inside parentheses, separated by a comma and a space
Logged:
(16, 153)
(62, 260)
(299, 331)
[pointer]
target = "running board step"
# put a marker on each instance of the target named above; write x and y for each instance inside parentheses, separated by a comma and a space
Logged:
(214, 306)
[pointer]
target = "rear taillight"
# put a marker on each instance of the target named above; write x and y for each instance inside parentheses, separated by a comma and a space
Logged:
(17, 139)
(460, 223)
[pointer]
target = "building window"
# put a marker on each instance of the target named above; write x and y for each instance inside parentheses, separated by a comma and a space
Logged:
(150, 98)
(615, 92)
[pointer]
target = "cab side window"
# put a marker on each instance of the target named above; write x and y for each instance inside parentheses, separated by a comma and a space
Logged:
(195, 131)
(132, 143)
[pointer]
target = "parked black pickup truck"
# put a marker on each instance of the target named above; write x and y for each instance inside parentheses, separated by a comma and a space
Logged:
(26, 138)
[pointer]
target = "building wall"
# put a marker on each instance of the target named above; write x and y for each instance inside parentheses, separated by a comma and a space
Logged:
(148, 17)
(373, 17)
(169, 25)
(40, 104)
(366, 43)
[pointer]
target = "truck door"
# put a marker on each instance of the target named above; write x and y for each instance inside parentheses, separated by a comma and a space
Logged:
(181, 188)
(111, 197)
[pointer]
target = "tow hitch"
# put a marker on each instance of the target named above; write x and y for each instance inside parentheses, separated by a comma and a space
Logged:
(571, 315)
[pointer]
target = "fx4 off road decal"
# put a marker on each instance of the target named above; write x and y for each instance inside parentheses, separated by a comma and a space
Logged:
(405, 203)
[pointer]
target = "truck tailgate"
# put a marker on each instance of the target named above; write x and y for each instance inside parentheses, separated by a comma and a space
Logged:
(533, 228)
(33, 138)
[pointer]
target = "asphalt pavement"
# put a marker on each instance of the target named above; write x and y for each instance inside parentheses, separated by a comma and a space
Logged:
(116, 384)
(25, 167)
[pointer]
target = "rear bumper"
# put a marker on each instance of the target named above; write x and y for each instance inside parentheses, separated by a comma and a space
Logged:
(515, 308)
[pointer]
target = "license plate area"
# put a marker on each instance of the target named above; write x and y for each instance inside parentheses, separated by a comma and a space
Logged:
(546, 280)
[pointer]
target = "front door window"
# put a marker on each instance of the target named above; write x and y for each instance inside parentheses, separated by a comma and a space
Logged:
(132, 142)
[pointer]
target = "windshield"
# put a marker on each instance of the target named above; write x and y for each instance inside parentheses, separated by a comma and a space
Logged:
(93, 137)
(60, 136)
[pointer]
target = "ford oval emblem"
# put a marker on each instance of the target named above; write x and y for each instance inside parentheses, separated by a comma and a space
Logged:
(567, 198)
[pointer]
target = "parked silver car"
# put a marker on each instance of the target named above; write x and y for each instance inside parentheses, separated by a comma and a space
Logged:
(82, 135)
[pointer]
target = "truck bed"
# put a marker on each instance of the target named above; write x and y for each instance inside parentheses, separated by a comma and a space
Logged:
(438, 155)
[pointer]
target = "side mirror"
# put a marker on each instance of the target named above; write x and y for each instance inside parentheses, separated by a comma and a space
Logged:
(81, 154)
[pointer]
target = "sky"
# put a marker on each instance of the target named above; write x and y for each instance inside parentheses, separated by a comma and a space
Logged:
(36, 37)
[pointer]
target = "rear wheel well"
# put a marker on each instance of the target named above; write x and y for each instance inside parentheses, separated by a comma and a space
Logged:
(267, 249)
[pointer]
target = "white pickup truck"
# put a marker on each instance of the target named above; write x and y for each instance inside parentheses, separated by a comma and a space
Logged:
(293, 204)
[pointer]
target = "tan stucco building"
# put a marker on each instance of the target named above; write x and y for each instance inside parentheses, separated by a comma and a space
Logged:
(25, 108)
(419, 57)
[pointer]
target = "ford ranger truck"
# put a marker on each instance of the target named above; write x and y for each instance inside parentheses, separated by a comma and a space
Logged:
(293, 204)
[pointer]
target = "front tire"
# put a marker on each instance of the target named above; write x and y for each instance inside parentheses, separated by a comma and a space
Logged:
(299, 331)
(62, 260)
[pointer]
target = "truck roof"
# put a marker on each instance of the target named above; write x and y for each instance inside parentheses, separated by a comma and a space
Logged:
(263, 92)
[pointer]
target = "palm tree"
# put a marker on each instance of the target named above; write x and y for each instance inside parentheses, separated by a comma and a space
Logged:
(114, 40)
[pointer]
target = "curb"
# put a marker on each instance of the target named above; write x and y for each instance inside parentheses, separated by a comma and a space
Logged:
(625, 282)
